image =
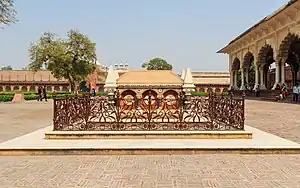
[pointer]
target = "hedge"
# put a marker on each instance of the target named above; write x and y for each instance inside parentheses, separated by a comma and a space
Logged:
(29, 93)
(8, 96)
(204, 94)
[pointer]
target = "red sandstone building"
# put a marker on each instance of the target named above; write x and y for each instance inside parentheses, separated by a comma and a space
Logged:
(29, 81)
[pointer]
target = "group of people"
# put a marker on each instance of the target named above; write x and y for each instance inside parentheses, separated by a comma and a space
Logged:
(285, 92)
(42, 94)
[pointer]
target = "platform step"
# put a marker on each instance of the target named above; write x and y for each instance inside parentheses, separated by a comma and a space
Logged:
(144, 151)
(148, 135)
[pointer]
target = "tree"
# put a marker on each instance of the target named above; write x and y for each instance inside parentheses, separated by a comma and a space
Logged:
(7, 12)
(7, 68)
(157, 64)
(72, 58)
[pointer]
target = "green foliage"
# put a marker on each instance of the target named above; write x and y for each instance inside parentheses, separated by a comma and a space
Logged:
(82, 84)
(8, 96)
(6, 68)
(30, 97)
(101, 94)
(7, 12)
(72, 58)
(83, 87)
(157, 64)
(29, 93)
(205, 94)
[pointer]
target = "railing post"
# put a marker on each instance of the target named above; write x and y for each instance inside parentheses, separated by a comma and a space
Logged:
(87, 107)
(188, 98)
(54, 114)
(243, 113)
(116, 102)
(213, 109)
(230, 109)
(111, 97)
(181, 107)
(149, 114)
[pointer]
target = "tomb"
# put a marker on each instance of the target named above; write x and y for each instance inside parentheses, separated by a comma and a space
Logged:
(149, 104)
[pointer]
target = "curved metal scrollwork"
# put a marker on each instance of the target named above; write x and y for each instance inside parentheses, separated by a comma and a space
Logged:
(130, 113)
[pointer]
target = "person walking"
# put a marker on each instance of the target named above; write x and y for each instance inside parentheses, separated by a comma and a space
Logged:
(296, 91)
(39, 98)
(45, 93)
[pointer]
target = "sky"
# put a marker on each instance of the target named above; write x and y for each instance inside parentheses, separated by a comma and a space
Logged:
(185, 33)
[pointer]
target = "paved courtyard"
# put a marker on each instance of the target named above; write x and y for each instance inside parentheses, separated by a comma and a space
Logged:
(151, 171)
(281, 119)
(224, 171)
(19, 119)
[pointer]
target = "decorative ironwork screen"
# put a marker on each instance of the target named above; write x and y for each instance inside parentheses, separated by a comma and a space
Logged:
(133, 114)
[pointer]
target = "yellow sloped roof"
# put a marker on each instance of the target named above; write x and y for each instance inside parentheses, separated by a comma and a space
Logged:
(149, 77)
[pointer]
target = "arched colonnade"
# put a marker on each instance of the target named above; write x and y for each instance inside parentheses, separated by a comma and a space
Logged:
(271, 44)
(287, 54)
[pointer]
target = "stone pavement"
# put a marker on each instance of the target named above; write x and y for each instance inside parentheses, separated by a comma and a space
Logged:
(17, 119)
(224, 171)
(281, 119)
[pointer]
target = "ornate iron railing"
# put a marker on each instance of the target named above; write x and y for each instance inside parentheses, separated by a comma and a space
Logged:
(148, 113)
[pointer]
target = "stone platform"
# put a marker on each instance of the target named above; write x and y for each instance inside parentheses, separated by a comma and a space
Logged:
(148, 135)
(35, 144)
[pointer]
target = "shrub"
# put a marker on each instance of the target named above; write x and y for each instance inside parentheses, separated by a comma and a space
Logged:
(6, 93)
(205, 94)
(30, 97)
(199, 94)
(30, 93)
(6, 98)
(101, 94)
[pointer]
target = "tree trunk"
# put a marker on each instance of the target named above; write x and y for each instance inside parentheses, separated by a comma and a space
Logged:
(73, 86)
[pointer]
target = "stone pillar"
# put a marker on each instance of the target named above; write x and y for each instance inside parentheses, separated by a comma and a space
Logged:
(277, 76)
(243, 81)
(283, 72)
(256, 78)
(262, 84)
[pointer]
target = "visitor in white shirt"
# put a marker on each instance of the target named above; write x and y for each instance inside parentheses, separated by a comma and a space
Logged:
(296, 92)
